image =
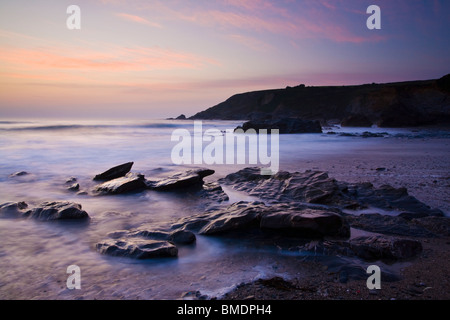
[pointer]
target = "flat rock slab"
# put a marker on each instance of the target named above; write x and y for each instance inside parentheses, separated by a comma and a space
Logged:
(115, 172)
(137, 248)
(129, 183)
(180, 180)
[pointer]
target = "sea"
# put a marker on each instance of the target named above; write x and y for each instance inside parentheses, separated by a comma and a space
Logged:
(35, 255)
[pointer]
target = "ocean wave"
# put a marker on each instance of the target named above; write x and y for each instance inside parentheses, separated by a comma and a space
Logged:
(58, 127)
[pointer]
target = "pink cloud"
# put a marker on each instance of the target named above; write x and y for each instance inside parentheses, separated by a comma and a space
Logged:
(137, 19)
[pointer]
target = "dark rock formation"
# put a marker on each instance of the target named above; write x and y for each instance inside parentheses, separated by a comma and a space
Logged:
(356, 120)
(178, 236)
(19, 174)
(181, 117)
(13, 209)
(57, 210)
(382, 247)
(115, 172)
(317, 187)
(130, 183)
(180, 180)
(74, 187)
(137, 248)
(399, 104)
(296, 221)
(284, 125)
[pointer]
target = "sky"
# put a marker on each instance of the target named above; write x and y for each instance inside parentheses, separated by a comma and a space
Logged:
(161, 58)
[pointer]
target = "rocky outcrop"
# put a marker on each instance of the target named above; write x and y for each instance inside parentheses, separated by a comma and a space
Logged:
(180, 180)
(137, 248)
(282, 219)
(46, 211)
(401, 104)
(382, 247)
(57, 210)
(130, 183)
(284, 125)
(115, 172)
(318, 188)
(13, 209)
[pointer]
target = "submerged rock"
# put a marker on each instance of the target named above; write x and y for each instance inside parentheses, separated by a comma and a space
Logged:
(115, 172)
(180, 180)
(57, 210)
(131, 182)
(137, 248)
(13, 209)
(284, 125)
(19, 174)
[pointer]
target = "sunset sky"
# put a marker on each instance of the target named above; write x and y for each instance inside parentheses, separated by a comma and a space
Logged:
(156, 59)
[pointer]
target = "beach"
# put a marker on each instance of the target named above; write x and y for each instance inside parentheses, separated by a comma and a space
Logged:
(36, 254)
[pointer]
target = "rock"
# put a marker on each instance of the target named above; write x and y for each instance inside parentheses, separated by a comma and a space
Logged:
(74, 187)
(13, 209)
(178, 236)
(181, 117)
(356, 120)
(57, 210)
(284, 125)
(304, 222)
(440, 226)
(180, 180)
(390, 225)
(131, 182)
(317, 187)
(383, 247)
(19, 174)
(276, 219)
(213, 191)
(237, 216)
(137, 248)
(71, 180)
(115, 172)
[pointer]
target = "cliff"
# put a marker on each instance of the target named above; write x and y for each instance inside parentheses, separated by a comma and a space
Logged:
(399, 104)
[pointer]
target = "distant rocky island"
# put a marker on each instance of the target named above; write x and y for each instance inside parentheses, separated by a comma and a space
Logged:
(399, 104)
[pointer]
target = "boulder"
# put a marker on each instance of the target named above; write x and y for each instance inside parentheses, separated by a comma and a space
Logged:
(180, 180)
(137, 248)
(131, 182)
(284, 125)
(57, 210)
(13, 209)
(115, 172)
(382, 247)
